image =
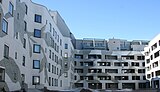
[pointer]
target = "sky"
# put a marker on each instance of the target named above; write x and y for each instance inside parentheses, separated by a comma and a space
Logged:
(104, 19)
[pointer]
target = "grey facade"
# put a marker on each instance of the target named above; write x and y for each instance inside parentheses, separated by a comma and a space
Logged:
(112, 64)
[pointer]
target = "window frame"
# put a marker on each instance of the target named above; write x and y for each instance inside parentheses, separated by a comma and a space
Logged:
(11, 8)
(38, 18)
(6, 53)
(38, 61)
(6, 26)
(33, 82)
(35, 33)
(34, 48)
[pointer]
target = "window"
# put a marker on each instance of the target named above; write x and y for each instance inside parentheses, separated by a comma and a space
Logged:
(141, 70)
(66, 46)
(38, 18)
(24, 43)
(50, 54)
(60, 42)
(49, 81)
(0, 1)
(52, 68)
(25, 26)
(37, 33)
(36, 48)
(135, 77)
(6, 51)
(52, 81)
(16, 35)
(4, 26)
(26, 9)
(66, 55)
(15, 55)
(11, 8)
(2, 75)
(49, 67)
(53, 56)
(35, 80)
(24, 59)
(50, 27)
(18, 16)
(36, 64)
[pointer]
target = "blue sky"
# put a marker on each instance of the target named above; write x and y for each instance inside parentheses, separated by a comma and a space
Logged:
(122, 19)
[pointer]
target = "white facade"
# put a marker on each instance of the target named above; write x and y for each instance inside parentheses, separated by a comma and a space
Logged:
(152, 60)
(33, 48)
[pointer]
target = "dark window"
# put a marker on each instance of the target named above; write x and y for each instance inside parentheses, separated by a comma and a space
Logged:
(140, 57)
(49, 81)
(135, 77)
(37, 33)
(4, 26)
(15, 55)
(24, 60)
(36, 64)
(49, 67)
(144, 77)
(156, 54)
(121, 77)
(18, 16)
(151, 57)
(36, 48)
(11, 7)
(50, 54)
(2, 75)
(60, 42)
(35, 80)
(143, 63)
(38, 18)
(24, 43)
(111, 57)
(50, 27)
(52, 81)
(111, 70)
(25, 26)
(157, 73)
(26, 9)
(141, 70)
(6, 51)
(135, 63)
(66, 46)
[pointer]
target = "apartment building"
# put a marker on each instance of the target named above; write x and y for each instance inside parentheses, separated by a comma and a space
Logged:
(112, 64)
(152, 61)
(36, 45)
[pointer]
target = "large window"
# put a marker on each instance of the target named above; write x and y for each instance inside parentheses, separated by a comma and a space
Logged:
(11, 8)
(37, 33)
(4, 26)
(6, 51)
(36, 48)
(35, 80)
(36, 64)
(38, 18)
